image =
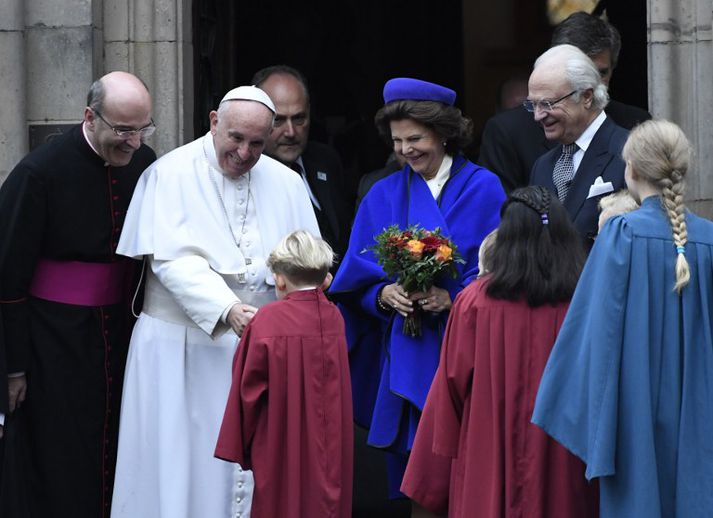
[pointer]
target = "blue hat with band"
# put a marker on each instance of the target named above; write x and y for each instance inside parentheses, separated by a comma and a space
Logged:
(403, 88)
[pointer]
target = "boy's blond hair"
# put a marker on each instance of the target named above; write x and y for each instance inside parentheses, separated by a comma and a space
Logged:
(302, 258)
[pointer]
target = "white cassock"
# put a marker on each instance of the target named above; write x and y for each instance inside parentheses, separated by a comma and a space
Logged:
(179, 367)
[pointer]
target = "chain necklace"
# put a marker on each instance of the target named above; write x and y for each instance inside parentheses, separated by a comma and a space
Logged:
(237, 241)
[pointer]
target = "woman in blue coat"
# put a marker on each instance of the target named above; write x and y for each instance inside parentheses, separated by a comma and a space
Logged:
(438, 187)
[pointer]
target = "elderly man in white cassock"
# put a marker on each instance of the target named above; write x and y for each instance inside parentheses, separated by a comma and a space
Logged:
(205, 216)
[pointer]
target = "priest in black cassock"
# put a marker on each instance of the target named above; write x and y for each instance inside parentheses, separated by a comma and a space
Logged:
(65, 294)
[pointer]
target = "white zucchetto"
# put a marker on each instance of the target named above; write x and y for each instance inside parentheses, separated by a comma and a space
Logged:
(249, 93)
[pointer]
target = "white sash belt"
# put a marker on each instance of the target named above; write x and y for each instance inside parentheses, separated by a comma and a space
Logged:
(159, 303)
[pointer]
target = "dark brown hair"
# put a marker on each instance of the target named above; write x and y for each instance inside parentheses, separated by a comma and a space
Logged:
(447, 122)
(537, 253)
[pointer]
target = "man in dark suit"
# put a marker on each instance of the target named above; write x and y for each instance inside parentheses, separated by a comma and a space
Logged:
(567, 98)
(512, 140)
(393, 163)
(318, 164)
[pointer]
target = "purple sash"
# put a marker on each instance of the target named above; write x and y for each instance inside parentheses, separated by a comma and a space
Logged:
(79, 283)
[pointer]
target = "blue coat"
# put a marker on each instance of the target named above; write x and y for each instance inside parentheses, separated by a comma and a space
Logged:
(629, 385)
(391, 373)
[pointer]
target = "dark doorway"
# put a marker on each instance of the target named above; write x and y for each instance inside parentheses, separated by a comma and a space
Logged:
(348, 49)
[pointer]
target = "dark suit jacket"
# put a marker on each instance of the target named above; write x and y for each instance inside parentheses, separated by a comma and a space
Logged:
(326, 180)
(371, 178)
(3, 376)
(512, 141)
(602, 158)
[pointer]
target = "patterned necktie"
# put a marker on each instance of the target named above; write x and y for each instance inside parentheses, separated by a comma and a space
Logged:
(564, 170)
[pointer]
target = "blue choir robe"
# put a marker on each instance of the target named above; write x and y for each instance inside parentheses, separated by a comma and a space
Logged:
(629, 384)
(391, 373)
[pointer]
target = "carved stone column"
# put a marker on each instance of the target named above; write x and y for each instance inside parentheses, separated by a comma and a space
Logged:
(13, 127)
(680, 79)
(152, 39)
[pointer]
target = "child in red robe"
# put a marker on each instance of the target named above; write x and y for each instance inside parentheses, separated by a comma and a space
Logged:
(476, 454)
(289, 411)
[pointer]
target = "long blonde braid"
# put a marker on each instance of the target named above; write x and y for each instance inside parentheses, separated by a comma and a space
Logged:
(672, 190)
(659, 152)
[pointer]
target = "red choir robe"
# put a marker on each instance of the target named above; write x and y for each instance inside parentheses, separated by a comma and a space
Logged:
(289, 411)
(476, 453)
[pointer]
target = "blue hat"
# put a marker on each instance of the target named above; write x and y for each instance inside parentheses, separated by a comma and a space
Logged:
(402, 88)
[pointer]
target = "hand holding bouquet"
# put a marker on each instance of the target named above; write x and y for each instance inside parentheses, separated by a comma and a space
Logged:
(416, 257)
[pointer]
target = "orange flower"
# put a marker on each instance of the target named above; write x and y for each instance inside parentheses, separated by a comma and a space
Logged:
(444, 253)
(415, 247)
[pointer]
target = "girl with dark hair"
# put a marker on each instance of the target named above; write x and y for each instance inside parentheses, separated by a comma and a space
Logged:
(498, 339)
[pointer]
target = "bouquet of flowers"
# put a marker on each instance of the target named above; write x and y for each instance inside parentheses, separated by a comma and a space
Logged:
(416, 257)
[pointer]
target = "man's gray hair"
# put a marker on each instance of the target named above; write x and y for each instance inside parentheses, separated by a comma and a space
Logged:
(95, 97)
(581, 72)
(97, 93)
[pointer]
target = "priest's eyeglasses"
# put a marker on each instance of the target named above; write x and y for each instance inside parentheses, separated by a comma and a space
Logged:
(127, 133)
(547, 106)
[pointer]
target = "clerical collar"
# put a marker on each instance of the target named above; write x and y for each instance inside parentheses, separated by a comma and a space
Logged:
(209, 151)
(86, 137)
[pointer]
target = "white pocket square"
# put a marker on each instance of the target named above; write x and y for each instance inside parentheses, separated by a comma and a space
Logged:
(599, 187)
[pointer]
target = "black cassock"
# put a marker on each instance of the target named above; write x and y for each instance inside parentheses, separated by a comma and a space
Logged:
(64, 204)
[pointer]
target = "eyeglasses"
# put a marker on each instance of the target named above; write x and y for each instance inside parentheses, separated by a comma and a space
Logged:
(547, 106)
(127, 133)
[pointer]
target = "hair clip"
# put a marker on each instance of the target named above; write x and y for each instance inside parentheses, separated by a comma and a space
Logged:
(680, 250)
(544, 218)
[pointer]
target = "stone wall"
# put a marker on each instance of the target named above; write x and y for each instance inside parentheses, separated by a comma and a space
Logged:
(13, 134)
(51, 51)
(681, 83)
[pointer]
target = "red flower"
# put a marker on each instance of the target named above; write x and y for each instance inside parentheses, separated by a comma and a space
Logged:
(431, 243)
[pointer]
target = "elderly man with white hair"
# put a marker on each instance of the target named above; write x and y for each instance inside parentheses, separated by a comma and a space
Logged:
(205, 217)
(567, 97)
